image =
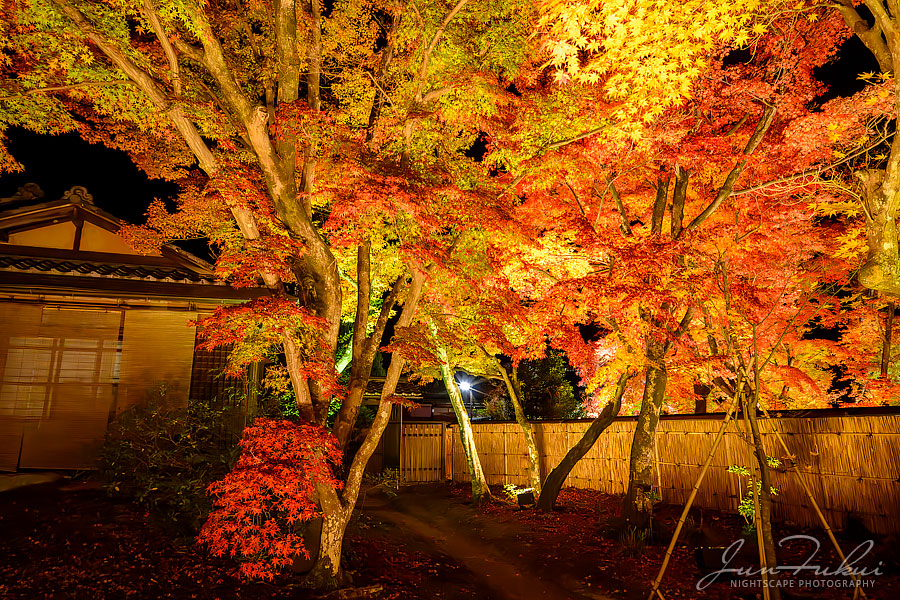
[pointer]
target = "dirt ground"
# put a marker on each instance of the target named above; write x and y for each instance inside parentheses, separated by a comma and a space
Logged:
(69, 540)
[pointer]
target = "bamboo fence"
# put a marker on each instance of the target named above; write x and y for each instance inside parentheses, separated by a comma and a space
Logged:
(852, 463)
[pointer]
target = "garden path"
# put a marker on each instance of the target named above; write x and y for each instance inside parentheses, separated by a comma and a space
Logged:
(452, 530)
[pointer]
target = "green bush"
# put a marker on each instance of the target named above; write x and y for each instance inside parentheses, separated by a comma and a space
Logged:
(164, 459)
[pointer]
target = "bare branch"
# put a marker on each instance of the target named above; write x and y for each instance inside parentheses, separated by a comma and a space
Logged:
(679, 195)
(625, 225)
(192, 52)
(577, 138)
(765, 121)
(436, 93)
(426, 60)
(160, 33)
(387, 56)
(659, 206)
(575, 196)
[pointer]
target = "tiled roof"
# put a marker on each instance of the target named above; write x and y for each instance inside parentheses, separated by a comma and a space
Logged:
(101, 268)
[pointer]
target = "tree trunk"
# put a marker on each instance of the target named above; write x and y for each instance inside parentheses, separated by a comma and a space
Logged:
(765, 498)
(638, 506)
(327, 573)
(886, 347)
(480, 491)
(882, 269)
(336, 510)
(558, 475)
(534, 458)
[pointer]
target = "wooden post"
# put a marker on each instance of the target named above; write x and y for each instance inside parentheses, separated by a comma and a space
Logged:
(505, 462)
(448, 452)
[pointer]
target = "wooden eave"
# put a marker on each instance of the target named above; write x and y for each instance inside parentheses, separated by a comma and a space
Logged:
(125, 259)
(40, 215)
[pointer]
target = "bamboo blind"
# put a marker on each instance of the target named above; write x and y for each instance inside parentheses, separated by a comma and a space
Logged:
(157, 355)
(852, 463)
(58, 374)
(16, 321)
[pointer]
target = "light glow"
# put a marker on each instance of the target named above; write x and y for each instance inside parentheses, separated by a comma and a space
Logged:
(465, 386)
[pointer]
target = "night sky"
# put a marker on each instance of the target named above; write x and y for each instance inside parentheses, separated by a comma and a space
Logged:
(57, 163)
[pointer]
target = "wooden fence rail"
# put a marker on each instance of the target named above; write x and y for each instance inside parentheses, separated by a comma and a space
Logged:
(852, 463)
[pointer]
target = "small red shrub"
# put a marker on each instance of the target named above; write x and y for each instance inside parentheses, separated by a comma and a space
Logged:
(257, 504)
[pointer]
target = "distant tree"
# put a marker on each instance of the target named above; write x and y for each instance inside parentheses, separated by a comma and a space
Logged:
(545, 388)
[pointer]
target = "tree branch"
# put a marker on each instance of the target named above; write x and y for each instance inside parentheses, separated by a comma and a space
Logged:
(358, 466)
(625, 225)
(679, 195)
(577, 138)
(384, 63)
(244, 218)
(145, 83)
(765, 121)
(884, 25)
(423, 69)
(363, 303)
(659, 206)
(288, 72)
(151, 15)
(63, 88)
(313, 99)
(418, 98)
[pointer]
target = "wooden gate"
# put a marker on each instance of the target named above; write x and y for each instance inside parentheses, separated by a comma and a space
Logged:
(421, 452)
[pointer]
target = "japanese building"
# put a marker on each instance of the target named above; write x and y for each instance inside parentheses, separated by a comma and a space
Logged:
(89, 327)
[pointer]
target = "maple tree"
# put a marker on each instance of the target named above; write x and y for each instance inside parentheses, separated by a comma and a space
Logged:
(757, 308)
(751, 136)
(454, 326)
(319, 149)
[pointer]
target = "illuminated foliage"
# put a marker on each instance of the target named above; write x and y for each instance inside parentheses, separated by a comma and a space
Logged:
(257, 506)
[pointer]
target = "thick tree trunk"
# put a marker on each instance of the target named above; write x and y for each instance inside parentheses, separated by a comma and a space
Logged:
(638, 506)
(558, 475)
(336, 510)
(534, 458)
(882, 269)
(327, 573)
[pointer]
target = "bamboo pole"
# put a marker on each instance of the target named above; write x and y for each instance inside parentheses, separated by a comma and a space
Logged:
(858, 591)
(687, 506)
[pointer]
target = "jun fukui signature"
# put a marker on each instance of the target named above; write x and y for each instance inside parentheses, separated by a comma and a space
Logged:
(845, 569)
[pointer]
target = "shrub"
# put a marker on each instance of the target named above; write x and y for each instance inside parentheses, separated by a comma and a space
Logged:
(258, 504)
(747, 504)
(164, 459)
